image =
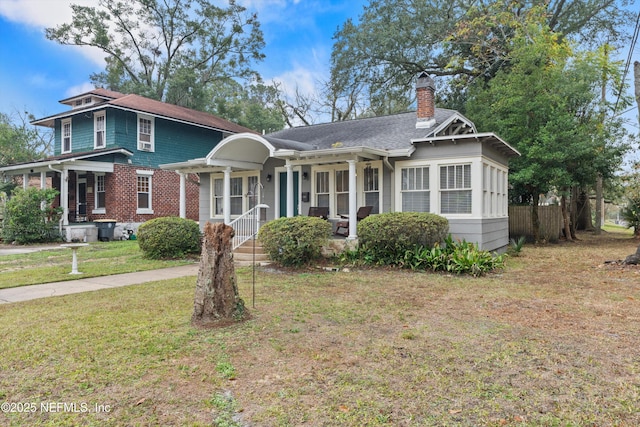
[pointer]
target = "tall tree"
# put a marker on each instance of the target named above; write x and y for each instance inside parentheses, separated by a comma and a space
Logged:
(547, 103)
(255, 106)
(459, 40)
(21, 142)
(169, 50)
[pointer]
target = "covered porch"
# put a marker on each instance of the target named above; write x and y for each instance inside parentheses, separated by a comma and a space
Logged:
(80, 180)
(289, 177)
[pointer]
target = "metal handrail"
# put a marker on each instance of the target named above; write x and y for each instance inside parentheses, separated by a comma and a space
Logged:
(246, 225)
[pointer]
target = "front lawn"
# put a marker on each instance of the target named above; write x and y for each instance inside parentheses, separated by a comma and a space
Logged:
(97, 259)
(554, 339)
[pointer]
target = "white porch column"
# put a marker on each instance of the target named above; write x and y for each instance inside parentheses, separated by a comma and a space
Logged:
(353, 201)
(289, 189)
(183, 195)
(43, 186)
(64, 195)
(25, 181)
(226, 198)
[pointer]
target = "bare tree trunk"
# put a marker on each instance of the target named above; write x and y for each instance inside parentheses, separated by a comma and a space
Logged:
(599, 203)
(565, 217)
(535, 217)
(216, 299)
(583, 210)
(573, 212)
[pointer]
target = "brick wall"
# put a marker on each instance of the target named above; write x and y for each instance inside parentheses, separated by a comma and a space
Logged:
(122, 197)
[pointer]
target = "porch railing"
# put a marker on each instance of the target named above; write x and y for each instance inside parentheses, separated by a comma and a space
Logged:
(246, 225)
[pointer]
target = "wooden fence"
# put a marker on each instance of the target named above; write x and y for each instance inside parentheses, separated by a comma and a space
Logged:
(550, 222)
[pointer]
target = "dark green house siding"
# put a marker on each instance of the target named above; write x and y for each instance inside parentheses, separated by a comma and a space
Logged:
(173, 141)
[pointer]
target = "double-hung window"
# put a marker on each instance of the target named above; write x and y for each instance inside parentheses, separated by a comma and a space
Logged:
(455, 189)
(66, 136)
(322, 189)
(99, 120)
(145, 133)
(144, 190)
(239, 186)
(342, 192)
(101, 194)
(414, 189)
(371, 188)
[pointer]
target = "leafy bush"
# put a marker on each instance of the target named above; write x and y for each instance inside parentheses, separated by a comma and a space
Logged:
(169, 237)
(387, 237)
(25, 219)
(295, 241)
(459, 257)
(631, 214)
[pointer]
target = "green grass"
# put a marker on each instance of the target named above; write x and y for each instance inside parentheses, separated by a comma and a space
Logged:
(97, 259)
(553, 340)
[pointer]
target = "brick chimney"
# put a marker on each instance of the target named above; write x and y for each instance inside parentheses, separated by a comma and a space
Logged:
(425, 94)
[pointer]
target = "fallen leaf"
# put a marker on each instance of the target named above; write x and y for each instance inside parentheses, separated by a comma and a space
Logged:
(343, 408)
(140, 402)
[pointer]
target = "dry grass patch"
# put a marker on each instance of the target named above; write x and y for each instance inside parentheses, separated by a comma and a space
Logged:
(552, 340)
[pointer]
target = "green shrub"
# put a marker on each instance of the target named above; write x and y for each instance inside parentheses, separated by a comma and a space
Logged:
(295, 241)
(169, 237)
(459, 257)
(25, 219)
(387, 237)
(631, 214)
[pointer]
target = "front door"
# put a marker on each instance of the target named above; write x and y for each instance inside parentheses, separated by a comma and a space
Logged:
(283, 194)
(81, 200)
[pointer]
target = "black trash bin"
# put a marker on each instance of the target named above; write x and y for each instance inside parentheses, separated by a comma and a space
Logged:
(105, 229)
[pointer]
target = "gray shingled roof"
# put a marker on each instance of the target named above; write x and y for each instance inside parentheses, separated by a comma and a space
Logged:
(383, 132)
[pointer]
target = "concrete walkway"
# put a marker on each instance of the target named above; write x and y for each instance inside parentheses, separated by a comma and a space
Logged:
(25, 293)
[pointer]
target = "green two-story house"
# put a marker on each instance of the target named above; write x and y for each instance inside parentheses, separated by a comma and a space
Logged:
(108, 148)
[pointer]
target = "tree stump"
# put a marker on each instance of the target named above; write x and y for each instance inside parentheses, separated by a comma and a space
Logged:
(216, 300)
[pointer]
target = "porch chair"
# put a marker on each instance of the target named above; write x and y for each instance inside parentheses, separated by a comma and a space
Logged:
(319, 211)
(363, 212)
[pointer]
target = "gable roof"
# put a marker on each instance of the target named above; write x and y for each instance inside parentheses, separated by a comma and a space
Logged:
(140, 104)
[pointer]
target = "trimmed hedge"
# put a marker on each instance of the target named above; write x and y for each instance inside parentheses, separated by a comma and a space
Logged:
(389, 236)
(295, 241)
(169, 238)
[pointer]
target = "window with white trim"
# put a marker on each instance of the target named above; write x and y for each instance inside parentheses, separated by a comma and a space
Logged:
(455, 189)
(144, 190)
(414, 189)
(240, 185)
(66, 136)
(342, 192)
(101, 194)
(371, 188)
(146, 133)
(323, 192)
(99, 121)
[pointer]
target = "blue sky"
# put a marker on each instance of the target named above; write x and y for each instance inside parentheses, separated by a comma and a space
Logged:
(36, 73)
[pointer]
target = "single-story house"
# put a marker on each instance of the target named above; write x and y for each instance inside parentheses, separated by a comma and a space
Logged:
(432, 160)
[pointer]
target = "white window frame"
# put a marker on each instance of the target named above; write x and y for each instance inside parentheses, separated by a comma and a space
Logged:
(96, 121)
(64, 124)
(456, 183)
(321, 182)
(360, 185)
(247, 202)
(477, 185)
(100, 186)
(149, 176)
(416, 187)
(144, 145)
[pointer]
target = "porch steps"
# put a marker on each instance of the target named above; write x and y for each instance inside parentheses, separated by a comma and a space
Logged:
(243, 255)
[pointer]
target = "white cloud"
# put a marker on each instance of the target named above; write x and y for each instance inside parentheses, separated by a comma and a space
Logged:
(78, 89)
(41, 14)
